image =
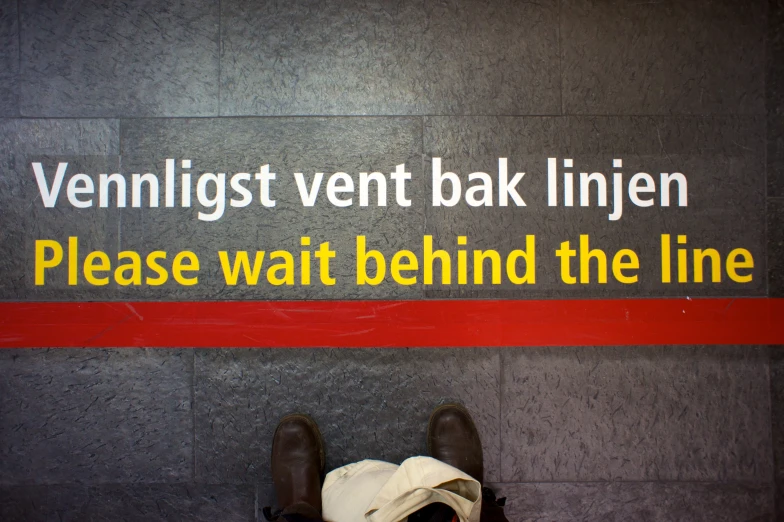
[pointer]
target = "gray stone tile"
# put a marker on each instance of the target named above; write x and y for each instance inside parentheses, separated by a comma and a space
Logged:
(722, 159)
(776, 247)
(128, 502)
(377, 57)
(636, 413)
(699, 57)
(95, 416)
(89, 146)
(143, 58)
(372, 403)
(9, 58)
(288, 145)
(649, 501)
(775, 98)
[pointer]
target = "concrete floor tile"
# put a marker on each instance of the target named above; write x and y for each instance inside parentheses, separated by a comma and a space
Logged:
(698, 57)
(371, 403)
(374, 57)
(99, 59)
(636, 413)
(95, 416)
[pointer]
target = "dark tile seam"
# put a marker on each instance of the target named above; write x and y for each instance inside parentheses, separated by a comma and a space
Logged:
(773, 471)
(560, 60)
(120, 134)
(220, 53)
(378, 116)
(501, 382)
(768, 108)
(19, 57)
(193, 414)
(120, 209)
(772, 455)
(766, 82)
(423, 292)
(746, 483)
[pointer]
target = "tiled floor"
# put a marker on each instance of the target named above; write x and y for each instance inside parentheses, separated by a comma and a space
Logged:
(577, 433)
(692, 433)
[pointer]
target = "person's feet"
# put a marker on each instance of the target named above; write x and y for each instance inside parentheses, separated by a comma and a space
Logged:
(453, 438)
(298, 462)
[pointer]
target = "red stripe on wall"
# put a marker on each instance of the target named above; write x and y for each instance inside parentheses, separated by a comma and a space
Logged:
(351, 324)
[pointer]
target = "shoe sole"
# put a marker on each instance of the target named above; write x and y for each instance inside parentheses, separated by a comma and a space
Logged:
(456, 406)
(310, 422)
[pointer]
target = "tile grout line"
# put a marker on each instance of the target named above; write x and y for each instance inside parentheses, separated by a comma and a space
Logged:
(766, 178)
(707, 116)
(560, 60)
(766, 80)
(19, 57)
(766, 84)
(220, 53)
(423, 294)
(193, 414)
(772, 455)
(120, 210)
(501, 360)
(731, 483)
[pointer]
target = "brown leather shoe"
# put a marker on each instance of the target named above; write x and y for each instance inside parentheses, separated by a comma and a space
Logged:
(298, 463)
(453, 438)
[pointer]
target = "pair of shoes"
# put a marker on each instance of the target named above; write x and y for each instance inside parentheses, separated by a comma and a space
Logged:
(298, 457)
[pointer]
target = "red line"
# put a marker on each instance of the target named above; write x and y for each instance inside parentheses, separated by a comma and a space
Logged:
(350, 324)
